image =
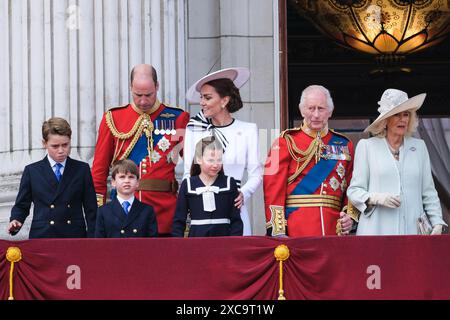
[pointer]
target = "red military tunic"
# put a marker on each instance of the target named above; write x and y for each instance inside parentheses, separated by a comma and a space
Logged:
(119, 132)
(291, 158)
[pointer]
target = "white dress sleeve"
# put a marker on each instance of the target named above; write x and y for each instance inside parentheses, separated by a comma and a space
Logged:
(254, 167)
(188, 152)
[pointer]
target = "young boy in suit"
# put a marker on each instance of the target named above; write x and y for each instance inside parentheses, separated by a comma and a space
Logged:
(125, 216)
(60, 189)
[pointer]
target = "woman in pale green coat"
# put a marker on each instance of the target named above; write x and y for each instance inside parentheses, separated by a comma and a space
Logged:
(392, 183)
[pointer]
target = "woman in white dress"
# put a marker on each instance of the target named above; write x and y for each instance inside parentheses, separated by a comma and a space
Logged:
(219, 97)
(392, 183)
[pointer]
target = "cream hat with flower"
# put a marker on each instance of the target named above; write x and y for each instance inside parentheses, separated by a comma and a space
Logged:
(394, 101)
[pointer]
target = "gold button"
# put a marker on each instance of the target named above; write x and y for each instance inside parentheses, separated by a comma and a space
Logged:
(52, 222)
(144, 166)
(325, 185)
(52, 206)
(144, 171)
(144, 160)
(134, 230)
(324, 192)
(69, 222)
(122, 231)
(68, 206)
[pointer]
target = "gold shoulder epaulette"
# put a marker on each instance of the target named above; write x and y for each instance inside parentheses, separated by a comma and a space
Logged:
(283, 133)
(117, 107)
(340, 134)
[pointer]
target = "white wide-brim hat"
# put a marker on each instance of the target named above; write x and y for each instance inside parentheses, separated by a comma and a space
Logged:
(239, 76)
(394, 101)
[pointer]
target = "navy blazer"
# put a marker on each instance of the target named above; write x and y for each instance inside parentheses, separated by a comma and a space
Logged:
(112, 222)
(58, 206)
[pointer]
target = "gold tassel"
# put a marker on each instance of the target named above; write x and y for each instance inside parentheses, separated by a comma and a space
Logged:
(281, 253)
(13, 254)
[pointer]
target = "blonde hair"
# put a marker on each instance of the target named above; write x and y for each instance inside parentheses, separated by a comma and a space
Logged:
(380, 130)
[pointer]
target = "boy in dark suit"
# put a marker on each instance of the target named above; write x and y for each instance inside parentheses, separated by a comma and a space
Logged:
(125, 216)
(59, 187)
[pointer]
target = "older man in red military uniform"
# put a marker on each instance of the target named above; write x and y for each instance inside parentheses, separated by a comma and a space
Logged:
(307, 173)
(150, 133)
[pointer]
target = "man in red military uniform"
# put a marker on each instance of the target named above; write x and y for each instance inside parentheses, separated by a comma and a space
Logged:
(307, 173)
(150, 133)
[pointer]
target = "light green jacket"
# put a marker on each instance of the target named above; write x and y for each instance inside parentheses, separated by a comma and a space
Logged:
(376, 170)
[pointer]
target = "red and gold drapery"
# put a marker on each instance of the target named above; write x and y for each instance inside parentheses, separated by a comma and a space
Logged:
(391, 267)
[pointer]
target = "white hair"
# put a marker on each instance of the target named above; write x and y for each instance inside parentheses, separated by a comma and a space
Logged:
(313, 88)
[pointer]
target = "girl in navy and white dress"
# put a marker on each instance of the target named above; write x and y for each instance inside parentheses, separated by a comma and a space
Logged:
(208, 196)
(219, 97)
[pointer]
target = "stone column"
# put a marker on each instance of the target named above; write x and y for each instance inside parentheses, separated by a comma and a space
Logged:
(72, 59)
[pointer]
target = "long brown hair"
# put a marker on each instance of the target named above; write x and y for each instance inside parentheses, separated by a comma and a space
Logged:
(207, 143)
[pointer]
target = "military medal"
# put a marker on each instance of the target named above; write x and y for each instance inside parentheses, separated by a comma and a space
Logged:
(157, 128)
(164, 144)
(174, 131)
(162, 131)
(340, 170)
(155, 156)
(334, 183)
(166, 130)
(334, 152)
(168, 127)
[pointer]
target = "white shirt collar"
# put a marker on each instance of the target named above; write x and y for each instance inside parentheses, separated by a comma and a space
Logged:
(131, 200)
(53, 162)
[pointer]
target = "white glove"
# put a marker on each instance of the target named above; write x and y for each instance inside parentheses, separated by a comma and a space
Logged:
(384, 199)
(437, 230)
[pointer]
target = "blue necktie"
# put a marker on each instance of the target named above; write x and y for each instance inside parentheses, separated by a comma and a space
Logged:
(58, 174)
(125, 206)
